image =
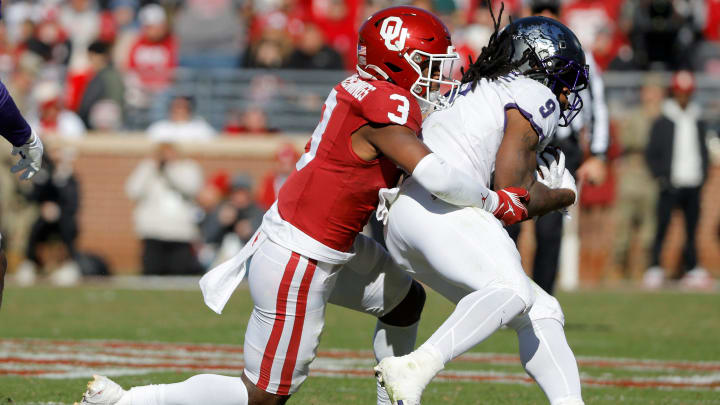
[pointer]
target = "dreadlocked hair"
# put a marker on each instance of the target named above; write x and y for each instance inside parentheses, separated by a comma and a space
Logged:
(494, 59)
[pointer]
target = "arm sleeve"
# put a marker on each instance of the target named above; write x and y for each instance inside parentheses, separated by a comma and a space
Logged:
(13, 126)
(597, 119)
(451, 185)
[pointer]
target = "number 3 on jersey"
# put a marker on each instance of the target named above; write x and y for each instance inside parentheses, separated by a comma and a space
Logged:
(403, 109)
(398, 116)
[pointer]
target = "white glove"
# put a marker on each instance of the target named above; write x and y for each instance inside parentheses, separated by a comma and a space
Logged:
(551, 167)
(552, 173)
(30, 157)
(387, 197)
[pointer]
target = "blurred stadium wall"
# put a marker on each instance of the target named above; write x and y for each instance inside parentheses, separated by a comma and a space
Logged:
(105, 161)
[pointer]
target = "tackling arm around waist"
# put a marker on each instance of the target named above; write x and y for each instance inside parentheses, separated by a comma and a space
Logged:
(451, 185)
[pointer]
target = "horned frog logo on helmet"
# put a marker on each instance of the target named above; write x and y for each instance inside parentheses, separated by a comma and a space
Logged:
(547, 51)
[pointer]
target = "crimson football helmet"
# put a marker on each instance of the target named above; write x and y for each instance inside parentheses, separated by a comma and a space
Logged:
(410, 47)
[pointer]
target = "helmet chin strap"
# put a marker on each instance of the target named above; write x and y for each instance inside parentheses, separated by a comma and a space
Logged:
(428, 104)
(369, 76)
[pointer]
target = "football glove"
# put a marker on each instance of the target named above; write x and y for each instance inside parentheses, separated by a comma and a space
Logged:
(551, 167)
(30, 157)
(552, 173)
(512, 203)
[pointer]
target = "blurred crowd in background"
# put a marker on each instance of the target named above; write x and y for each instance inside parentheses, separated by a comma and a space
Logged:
(187, 220)
(80, 67)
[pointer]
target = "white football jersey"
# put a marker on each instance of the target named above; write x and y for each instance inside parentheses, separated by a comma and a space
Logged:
(469, 133)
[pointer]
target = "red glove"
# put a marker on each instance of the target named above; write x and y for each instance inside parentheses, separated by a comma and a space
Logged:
(511, 205)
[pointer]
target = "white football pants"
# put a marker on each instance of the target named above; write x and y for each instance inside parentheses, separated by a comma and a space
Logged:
(467, 256)
(290, 293)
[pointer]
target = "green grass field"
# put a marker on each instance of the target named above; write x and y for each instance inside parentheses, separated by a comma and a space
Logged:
(633, 348)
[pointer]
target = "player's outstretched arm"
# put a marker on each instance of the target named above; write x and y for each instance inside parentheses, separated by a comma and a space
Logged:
(515, 165)
(30, 154)
(402, 146)
(15, 129)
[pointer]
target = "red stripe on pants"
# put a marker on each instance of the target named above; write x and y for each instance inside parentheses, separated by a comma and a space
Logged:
(294, 346)
(276, 334)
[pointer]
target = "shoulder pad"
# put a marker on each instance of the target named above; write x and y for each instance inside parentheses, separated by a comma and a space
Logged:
(384, 103)
(538, 104)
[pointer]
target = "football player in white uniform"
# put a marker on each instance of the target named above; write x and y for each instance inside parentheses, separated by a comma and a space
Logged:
(523, 85)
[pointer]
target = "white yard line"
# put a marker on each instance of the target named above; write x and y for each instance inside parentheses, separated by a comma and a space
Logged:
(63, 359)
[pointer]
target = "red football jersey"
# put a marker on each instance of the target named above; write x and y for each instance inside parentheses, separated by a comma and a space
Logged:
(332, 193)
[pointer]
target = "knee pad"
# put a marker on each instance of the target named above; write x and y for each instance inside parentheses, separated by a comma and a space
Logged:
(408, 311)
(528, 295)
(546, 307)
(523, 287)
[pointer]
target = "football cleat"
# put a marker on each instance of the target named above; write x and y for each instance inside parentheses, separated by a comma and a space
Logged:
(102, 391)
(404, 378)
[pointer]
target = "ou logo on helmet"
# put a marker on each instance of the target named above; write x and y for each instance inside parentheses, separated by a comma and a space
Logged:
(392, 30)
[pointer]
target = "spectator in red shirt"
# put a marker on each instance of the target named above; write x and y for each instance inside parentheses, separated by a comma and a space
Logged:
(153, 56)
(285, 159)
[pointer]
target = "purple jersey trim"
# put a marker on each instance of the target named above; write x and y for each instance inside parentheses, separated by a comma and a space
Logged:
(527, 116)
(13, 126)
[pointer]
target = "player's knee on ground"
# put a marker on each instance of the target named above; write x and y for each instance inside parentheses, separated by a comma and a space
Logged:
(408, 311)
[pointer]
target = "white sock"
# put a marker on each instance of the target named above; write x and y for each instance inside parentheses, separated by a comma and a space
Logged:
(199, 389)
(390, 341)
(547, 358)
(476, 317)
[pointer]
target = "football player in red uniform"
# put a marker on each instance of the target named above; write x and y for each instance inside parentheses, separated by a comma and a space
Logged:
(308, 251)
